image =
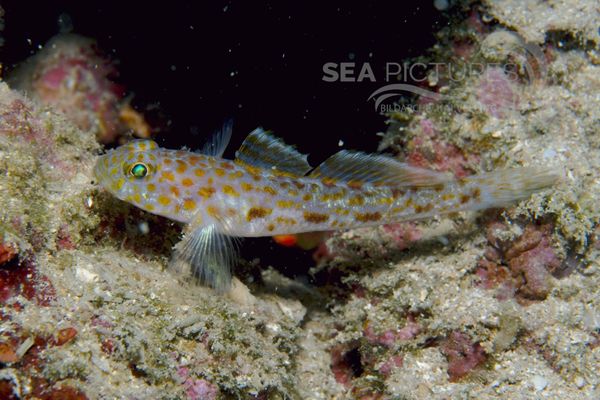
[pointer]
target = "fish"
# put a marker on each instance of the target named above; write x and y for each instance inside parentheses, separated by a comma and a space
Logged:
(270, 189)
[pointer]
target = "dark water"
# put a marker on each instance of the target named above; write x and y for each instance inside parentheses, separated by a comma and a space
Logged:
(260, 63)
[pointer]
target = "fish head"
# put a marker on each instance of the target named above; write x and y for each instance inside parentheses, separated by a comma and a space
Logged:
(129, 172)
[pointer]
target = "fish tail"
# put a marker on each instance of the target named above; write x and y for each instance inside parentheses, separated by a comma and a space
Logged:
(501, 188)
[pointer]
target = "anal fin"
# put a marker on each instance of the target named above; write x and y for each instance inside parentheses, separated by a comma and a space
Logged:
(208, 255)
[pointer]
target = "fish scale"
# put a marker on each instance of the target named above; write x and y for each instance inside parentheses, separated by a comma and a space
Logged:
(265, 191)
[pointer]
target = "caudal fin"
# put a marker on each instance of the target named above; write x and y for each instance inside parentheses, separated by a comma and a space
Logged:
(501, 188)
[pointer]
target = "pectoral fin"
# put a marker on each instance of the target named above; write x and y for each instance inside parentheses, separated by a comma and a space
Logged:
(208, 254)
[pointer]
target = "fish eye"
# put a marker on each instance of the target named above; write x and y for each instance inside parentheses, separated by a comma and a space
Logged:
(139, 170)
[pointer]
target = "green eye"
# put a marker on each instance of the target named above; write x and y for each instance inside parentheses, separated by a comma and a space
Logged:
(139, 170)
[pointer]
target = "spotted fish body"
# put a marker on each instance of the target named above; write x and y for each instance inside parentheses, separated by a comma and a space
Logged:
(266, 191)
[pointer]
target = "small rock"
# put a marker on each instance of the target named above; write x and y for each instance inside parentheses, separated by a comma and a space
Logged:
(7, 253)
(7, 354)
(240, 293)
(579, 382)
(539, 383)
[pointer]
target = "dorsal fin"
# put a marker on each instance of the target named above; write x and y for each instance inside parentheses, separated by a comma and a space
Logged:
(357, 167)
(216, 145)
(263, 150)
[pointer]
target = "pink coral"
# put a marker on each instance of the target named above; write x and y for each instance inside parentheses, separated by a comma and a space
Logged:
(7, 253)
(340, 366)
(25, 280)
(404, 234)
(495, 92)
(532, 258)
(17, 123)
(197, 388)
(71, 75)
(430, 150)
(389, 337)
(463, 355)
(201, 389)
(523, 266)
(390, 364)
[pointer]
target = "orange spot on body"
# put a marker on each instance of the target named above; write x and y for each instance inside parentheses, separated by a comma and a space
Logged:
(355, 184)
(385, 200)
(174, 190)
(219, 171)
(164, 200)
(356, 201)
(212, 211)
(328, 181)
(168, 175)
(285, 220)
(226, 165)
(199, 172)
(187, 182)
(189, 204)
(367, 217)
(342, 211)
(230, 191)
(447, 196)
(423, 208)
(257, 212)
(206, 192)
(269, 190)
(315, 218)
(284, 203)
(181, 166)
(236, 175)
(251, 170)
(247, 187)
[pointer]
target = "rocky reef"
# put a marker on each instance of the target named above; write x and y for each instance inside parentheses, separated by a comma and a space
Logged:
(499, 304)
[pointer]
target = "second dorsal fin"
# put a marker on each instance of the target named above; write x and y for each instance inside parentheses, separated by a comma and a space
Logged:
(263, 150)
(348, 166)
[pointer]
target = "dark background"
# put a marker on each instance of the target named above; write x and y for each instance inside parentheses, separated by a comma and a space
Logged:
(259, 63)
